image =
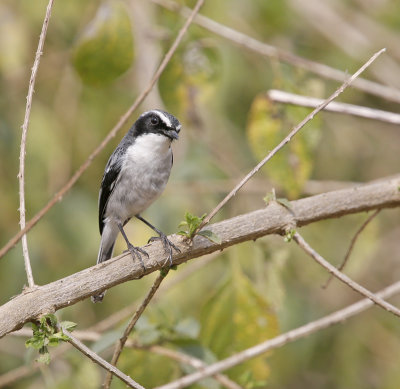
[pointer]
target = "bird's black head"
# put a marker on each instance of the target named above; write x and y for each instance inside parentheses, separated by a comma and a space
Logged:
(157, 122)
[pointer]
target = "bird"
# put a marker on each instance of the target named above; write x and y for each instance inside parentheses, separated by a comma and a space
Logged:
(135, 176)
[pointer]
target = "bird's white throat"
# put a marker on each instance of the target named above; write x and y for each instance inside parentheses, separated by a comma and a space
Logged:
(149, 147)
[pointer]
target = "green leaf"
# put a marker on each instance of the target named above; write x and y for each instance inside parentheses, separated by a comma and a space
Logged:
(68, 325)
(49, 322)
(53, 341)
(36, 342)
(56, 338)
(35, 328)
(213, 237)
(191, 223)
(46, 334)
(104, 51)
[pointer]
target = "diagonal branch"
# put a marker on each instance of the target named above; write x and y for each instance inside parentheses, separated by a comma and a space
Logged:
(287, 139)
(352, 243)
(271, 220)
(121, 342)
(243, 40)
(288, 337)
(342, 277)
(100, 361)
(123, 119)
(21, 174)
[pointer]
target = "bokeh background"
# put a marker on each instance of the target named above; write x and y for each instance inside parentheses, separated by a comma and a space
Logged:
(98, 56)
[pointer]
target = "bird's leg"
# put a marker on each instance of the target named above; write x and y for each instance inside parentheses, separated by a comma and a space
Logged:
(135, 251)
(168, 245)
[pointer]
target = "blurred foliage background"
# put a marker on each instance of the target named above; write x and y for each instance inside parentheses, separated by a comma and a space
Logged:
(98, 56)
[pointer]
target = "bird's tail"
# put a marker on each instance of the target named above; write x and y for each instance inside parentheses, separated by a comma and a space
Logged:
(106, 249)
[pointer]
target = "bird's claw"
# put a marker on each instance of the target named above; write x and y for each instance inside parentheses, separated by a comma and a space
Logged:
(136, 252)
(168, 246)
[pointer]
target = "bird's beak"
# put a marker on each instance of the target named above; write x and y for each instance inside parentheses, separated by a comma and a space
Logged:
(172, 133)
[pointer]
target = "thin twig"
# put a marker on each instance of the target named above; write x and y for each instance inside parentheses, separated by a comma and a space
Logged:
(349, 109)
(352, 243)
(21, 174)
(287, 139)
(122, 340)
(100, 361)
(325, 71)
(334, 318)
(342, 277)
(123, 119)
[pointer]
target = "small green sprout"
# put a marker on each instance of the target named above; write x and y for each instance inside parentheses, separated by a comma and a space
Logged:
(271, 197)
(289, 235)
(45, 333)
(190, 226)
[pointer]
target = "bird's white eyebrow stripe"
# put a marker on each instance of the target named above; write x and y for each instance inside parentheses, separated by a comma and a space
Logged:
(164, 118)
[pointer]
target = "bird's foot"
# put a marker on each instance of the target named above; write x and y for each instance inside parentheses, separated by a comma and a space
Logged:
(168, 246)
(137, 252)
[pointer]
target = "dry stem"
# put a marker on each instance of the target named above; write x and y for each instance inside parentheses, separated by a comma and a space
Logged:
(21, 174)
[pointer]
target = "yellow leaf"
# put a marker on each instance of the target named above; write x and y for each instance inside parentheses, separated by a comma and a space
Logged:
(292, 166)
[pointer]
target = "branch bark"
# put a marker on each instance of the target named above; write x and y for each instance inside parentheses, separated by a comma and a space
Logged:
(271, 220)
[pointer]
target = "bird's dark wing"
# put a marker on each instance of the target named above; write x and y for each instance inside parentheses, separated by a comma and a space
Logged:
(110, 177)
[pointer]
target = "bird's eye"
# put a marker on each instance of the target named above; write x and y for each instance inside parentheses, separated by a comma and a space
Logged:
(154, 120)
